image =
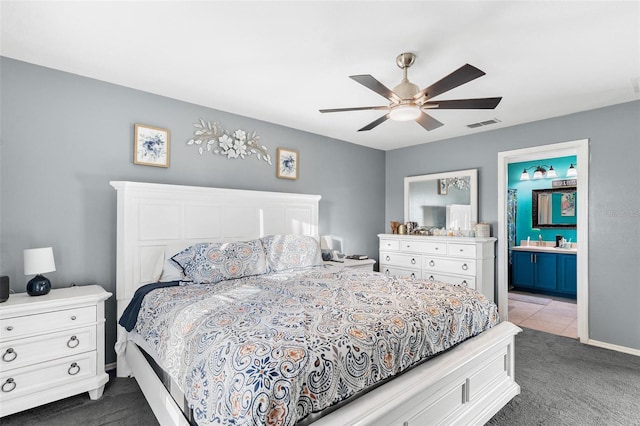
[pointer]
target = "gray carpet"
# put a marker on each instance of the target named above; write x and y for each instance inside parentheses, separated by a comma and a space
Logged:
(563, 383)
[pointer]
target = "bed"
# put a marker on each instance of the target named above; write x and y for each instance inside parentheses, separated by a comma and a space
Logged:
(467, 383)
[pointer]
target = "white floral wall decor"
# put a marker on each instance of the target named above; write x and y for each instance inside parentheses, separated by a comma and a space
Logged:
(212, 137)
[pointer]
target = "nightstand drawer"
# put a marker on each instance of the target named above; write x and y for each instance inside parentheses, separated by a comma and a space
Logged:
(26, 381)
(34, 350)
(450, 279)
(47, 321)
(451, 266)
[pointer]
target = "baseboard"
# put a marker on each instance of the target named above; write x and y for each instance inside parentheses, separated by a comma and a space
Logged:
(616, 348)
(110, 366)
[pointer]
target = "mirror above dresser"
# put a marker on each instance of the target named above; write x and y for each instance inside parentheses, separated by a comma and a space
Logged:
(442, 200)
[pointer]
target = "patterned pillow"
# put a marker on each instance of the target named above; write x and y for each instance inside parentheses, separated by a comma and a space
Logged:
(291, 251)
(207, 263)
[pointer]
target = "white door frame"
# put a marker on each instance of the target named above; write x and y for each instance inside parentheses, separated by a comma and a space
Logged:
(579, 148)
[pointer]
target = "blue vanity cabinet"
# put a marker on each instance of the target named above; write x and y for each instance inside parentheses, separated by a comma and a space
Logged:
(546, 273)
(523, 269)
(567, 274)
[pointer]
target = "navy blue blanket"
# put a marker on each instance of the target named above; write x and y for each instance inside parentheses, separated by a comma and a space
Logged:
(130, 314)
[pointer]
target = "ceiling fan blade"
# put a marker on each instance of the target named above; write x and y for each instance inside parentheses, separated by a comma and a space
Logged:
(354, 109)
(427, 121)
(375, 123)
(370, 82)
(462, 75)
(480, 103)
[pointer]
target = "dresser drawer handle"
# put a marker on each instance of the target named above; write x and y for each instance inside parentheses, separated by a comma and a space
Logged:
(413, 261)
(413, 275)
(73, 369)
(386, 272)
(465, 267)
(465, 283)
(432, 263)
(9, 355)
(10, 328)
(431, 278)
(9, 385)
(388, 258)
(73, 317)
(73, 342)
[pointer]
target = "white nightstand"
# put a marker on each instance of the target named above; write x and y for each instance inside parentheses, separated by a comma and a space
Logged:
(366, 264)
(51, 347)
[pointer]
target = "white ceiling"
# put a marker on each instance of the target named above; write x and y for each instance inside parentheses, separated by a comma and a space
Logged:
(282, 61)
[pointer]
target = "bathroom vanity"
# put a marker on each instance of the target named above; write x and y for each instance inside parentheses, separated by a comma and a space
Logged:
(545, 269)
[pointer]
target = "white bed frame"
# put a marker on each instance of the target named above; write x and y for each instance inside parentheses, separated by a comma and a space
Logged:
(466, 385)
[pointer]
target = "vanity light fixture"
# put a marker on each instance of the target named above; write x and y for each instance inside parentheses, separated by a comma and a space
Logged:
(572, 172)
(542, 171)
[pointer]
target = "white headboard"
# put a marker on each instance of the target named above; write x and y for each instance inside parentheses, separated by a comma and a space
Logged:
(151, 216)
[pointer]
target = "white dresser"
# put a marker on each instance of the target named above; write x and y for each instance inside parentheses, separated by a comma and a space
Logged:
(455, 260)
(51, 347)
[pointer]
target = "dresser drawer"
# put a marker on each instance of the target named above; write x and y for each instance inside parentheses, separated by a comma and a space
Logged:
(461, 250)
(393, 271)
(447, 265)
(401, 260)
(34, 350)
(28, 380)
(47, 321)
(426, 247)
(450, 279)
(389, 245)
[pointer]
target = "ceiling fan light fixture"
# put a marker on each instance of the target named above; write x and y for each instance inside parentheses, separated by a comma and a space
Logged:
(404, 112)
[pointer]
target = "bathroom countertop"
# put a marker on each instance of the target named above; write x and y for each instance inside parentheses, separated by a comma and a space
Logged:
(546, 249)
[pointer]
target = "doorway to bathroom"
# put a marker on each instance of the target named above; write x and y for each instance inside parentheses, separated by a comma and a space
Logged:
(535, 246)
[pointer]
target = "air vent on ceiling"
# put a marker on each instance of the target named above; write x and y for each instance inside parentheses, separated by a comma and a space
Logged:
(483, 123)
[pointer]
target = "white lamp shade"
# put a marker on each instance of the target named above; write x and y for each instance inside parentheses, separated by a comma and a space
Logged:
(38, 261)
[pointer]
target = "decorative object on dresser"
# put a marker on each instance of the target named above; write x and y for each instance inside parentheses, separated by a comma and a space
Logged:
(461, 261)
(52, 347)
(151, 146)
(38, 261)
(287, 167)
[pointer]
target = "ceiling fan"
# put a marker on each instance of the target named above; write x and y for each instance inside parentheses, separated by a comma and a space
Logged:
(407, 102)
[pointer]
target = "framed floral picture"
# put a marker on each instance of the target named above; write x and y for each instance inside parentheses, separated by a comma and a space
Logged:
(442, 187)
(287, 166)
(151, 146)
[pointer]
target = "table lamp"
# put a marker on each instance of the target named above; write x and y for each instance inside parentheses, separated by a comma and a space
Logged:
(38, 261)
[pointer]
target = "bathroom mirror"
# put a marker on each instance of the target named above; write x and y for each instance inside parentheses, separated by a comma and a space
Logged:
(428, 199)
(553, 208)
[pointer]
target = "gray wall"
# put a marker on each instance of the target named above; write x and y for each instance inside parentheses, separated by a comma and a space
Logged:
(614, 199)
(64, 137)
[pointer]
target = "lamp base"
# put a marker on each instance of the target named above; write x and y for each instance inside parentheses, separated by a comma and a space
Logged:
(38, 286)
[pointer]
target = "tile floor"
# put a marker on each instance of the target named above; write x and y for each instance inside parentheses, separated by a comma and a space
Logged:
(558, 317)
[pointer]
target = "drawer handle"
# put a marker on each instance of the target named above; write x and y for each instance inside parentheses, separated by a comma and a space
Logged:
(9, 385)
(10, 328)
(413, 261)
(465, 283)
(386, 272)
(73, 369)
(461, 250)
(432, 263)
(9, 355)
(431, 278)
(465, 267)
(73, 342)
(73, 317)
(413, 275)
(387, 258)
(437, 248)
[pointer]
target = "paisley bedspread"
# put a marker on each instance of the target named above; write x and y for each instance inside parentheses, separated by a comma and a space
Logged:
(271, 349)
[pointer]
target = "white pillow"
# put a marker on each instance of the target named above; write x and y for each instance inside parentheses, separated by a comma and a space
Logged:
(166, 270)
